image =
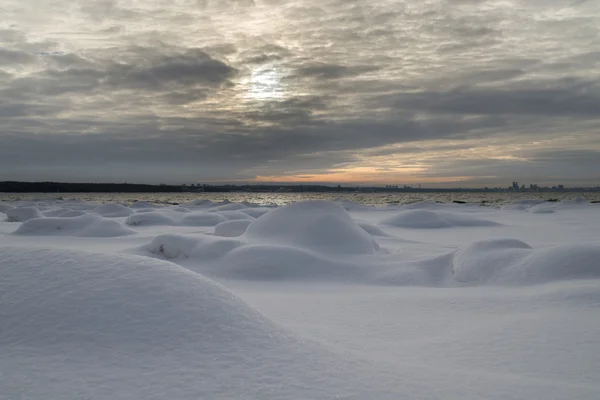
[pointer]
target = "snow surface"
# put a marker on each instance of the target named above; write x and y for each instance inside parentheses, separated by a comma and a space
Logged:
(232, 228)
(425, 219)
(21, 214)
(327, 300)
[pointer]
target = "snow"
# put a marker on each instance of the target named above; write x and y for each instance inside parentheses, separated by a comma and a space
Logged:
(317, 299)
(514, 262)
(172, 246)
(233, 215)
(5, 207)
(21, 214)
(317, 225)
(149, 218)
(82, 226)
(232, 228)
(255, 212)
(203, 219)
(424, 219)
(113, 210)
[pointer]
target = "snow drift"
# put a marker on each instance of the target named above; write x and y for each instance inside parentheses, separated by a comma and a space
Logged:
(232, 228)
(173, 246)
(284, 263)
(510, 261)
(317, 225)
(78, 323)
(204, 219)
(5, 207)
(113, 210)
(426, 219)
(149, 219)
(83, 226)
(72, 213)
(21, 214)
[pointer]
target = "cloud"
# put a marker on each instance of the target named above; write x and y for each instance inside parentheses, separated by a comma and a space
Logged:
(569, 97)
(333, 71)
(12, 57)
(176, 91)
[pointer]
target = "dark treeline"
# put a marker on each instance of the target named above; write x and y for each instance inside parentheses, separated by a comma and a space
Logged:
(61, 187)
(58, 187)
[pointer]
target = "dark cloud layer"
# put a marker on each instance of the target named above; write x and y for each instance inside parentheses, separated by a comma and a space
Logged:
(191, 90)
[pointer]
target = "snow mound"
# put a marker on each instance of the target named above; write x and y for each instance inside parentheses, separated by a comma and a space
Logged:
(579, 202)
(56, 212)
(425, 219)
(72, 213)
(228, 207)
(543, 208)
(22, 214)
(317, 225)
(372, 230)
(150, 219)
(480, 261)
(113, 210)
(232, 228)
(520, 205)
(182, 210)
(204, 219)
(352, 205)
(5, 207)
(280, 263)
(233, 215)
(144, 210)
(143, 204)
(513, 262)
(255, 212)
(562, 262)
(59, 296)
(423, 205)
(173, 246)
(199, 203)
(96, 325)
(82, 226)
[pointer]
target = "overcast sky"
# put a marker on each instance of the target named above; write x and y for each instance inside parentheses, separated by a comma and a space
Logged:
(437, 92)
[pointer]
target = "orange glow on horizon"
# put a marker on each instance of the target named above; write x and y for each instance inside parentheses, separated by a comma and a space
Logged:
(359, 175)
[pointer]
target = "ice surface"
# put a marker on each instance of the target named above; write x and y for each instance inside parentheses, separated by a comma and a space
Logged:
(314, 300)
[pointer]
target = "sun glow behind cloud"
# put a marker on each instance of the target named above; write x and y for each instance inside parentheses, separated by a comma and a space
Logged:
(263, 84)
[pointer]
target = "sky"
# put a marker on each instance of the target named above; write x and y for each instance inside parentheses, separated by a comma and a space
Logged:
(442, 93)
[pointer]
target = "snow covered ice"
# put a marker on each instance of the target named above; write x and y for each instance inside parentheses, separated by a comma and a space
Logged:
(314, 300)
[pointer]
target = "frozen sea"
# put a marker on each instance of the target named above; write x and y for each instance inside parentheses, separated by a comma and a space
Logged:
(294, 296)
(493, 199)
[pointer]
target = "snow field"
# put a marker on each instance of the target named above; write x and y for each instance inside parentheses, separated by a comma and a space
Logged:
(311, 300)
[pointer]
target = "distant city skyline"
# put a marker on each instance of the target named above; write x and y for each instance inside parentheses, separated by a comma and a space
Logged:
(439, 93)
